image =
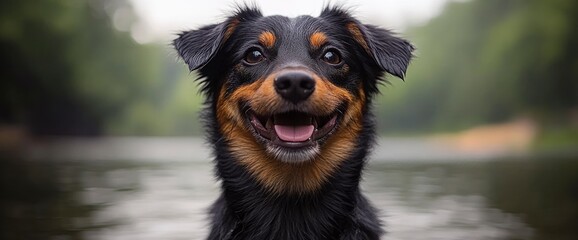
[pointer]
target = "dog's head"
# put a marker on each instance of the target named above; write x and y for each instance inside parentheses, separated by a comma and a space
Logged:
(290, 94)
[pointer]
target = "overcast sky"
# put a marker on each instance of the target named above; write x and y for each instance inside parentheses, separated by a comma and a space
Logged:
(160, 20)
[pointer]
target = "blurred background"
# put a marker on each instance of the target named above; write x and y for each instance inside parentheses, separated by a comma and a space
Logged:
(100, 136)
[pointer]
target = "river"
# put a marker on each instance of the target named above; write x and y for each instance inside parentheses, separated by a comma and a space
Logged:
(160, 189)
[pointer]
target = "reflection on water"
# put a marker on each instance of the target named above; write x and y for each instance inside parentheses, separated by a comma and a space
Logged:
(440, 201)
(165, 199)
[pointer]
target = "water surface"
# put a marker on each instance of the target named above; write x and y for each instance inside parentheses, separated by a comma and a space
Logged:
(157, 198)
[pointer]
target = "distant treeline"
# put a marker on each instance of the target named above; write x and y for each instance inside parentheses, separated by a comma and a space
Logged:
(488, 61)
(67, 71)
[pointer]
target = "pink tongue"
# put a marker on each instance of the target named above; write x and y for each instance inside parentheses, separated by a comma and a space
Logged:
(294, 133)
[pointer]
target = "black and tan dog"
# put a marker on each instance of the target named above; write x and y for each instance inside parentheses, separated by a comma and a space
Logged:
(288, 114)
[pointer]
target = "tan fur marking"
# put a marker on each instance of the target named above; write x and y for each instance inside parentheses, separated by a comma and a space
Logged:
(317, 39)
(275, 175)
(267, 39)
(231, 28)
(358, 36)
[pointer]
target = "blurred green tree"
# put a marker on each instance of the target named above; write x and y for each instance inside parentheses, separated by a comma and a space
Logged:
(66, 70)
(488, 61)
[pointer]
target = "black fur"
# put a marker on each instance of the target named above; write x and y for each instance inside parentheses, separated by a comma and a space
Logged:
(245, 209)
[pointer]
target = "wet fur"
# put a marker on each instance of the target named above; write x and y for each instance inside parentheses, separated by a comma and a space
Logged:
(263, 198)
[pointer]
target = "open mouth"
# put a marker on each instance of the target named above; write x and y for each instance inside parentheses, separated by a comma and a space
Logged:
(293, 129)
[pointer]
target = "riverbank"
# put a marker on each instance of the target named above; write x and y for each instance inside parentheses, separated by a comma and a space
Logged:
(519, 138)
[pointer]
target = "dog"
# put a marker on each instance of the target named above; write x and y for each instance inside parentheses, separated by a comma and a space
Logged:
(288, 114)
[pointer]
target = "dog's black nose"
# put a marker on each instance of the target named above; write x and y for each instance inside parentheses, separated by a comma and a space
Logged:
(295, 86)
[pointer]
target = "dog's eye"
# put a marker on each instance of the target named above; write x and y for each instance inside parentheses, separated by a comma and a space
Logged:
(254, 56)
(331, 56)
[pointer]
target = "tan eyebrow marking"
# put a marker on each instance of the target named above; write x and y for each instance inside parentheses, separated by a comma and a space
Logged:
(317, 39)
(231, 28)
(358, 36)
(267, 39)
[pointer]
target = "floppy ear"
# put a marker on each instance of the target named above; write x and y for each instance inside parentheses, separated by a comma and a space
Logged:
(392, 54)
(198, 47)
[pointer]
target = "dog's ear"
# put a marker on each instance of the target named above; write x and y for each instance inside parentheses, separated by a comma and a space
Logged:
(198, 47)
(391, 53)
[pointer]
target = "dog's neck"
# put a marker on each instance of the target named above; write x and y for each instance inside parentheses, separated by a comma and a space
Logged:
(255, 210)
(287, 216)
(247, 209)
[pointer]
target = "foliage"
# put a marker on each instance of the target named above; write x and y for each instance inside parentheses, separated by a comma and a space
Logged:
(488, 61)
(67, 70)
